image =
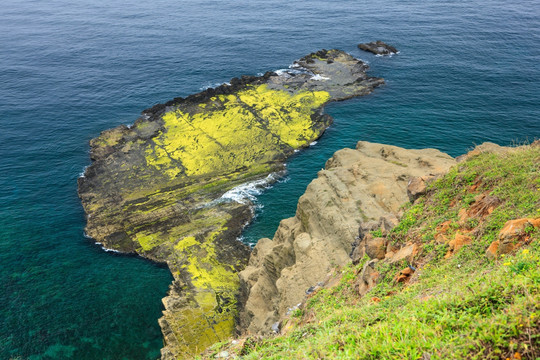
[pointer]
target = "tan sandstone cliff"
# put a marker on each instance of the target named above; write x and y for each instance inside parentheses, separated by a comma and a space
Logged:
(357, 186)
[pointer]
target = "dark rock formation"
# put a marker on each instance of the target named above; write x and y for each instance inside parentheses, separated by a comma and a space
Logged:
(378, 48)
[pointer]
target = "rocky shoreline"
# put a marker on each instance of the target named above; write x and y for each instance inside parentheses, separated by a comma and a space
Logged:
(155, 188)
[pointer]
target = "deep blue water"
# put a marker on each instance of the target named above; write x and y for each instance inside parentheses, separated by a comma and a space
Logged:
(467, 73)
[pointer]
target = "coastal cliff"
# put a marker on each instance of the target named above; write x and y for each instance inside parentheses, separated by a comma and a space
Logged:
(358, 187)
(457, 275)
(156, 188)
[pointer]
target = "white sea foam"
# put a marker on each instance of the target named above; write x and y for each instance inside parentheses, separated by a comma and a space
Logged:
(257, 209)
(247, 193)
(101, 245)
(388, 55)
(313, 143)
(107, 249)
(81, 175)
(282, 72)
(213, 85)
(319, 77)
(143, 116)
(292, 71)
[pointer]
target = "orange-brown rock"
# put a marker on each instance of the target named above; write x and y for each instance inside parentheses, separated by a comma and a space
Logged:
(443, 227)
(404, 275)
(375, 247)
(441, 230)
(483, 206)
(368, 277)
(405, 253)
(517, 229)
(475, 186)
(457, 243)
(463, 215)
(513, 235)
(491, 251)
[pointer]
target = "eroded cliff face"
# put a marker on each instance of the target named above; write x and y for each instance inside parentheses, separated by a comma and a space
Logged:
(356, 187)
(454, 278)
(156, 188)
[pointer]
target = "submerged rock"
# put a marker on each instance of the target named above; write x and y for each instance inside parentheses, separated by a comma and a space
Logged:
(156, 188)
(358, 186)
(378, 48)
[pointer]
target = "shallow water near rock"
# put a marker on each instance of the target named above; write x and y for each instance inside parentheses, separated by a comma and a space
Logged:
(466, 73)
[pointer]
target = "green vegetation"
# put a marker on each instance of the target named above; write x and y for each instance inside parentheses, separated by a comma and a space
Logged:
(478, 310)
(464, 306)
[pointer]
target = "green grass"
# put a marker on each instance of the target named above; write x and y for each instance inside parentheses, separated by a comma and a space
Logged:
(480, 310)
(464, 307)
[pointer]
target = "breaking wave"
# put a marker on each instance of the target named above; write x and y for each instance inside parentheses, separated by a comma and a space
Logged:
(247, 193)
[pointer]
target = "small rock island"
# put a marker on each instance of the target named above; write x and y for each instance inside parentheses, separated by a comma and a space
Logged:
(155, 188)
(378, 48)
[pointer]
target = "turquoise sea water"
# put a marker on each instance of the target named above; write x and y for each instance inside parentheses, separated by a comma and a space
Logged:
(467, 73)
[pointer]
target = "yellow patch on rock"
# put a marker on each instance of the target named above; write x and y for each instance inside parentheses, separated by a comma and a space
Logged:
(241, 130)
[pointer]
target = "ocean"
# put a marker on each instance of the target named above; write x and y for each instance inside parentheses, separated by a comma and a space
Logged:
(467, 72)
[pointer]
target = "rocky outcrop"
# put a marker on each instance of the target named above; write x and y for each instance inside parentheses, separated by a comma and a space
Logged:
(417, 187)
(156, 188)
(487, 147)
(359, 188)
(514, 234)
(378, 48)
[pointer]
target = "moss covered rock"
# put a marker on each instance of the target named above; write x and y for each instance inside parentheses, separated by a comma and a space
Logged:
(155, 188)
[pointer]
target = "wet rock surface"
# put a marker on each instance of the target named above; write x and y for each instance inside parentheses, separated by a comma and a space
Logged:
(378, 48)
(156, 188)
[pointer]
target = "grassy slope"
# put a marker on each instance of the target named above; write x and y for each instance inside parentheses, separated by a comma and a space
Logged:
(462, 307)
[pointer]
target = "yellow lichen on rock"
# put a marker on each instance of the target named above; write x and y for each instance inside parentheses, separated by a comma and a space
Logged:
(242, 130)
(149, 241)
(294, 126)
(185, 243)
(205, 270)
(208, 272)
(212, 296)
